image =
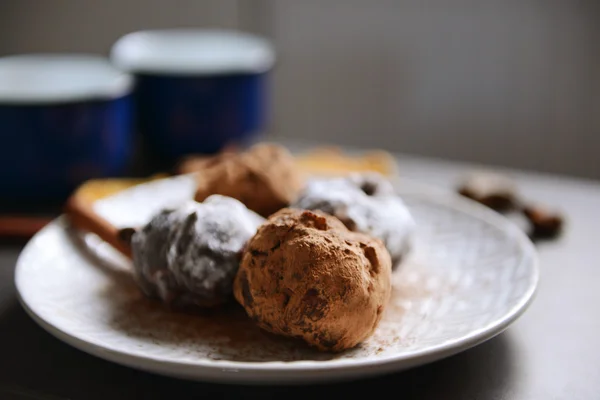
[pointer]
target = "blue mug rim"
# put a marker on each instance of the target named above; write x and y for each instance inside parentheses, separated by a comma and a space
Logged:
(103, 82)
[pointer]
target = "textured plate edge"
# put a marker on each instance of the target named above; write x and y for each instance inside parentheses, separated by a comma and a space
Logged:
(266, 376)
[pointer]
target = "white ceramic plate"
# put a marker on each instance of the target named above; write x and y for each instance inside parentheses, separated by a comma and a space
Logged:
(470, 275)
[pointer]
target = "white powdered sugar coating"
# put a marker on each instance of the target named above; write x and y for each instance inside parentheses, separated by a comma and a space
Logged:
(190, 255)
(365, 203)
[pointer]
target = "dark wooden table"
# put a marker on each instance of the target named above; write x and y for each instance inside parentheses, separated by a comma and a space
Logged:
(551, 352)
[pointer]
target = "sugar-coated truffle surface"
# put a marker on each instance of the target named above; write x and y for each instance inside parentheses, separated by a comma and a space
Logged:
(264, 178)
(365, 203)
(190, 255)
(305, 275)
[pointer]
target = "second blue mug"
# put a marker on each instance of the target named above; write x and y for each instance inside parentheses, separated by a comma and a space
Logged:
(196, 90)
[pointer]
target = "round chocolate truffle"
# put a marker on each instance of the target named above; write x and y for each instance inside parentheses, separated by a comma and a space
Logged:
(305, 275)
(264, 178)
(365, 203)
(190, 255)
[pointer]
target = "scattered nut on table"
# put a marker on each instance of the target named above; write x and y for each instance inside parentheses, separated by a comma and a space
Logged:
(497, 191)
(545, 224)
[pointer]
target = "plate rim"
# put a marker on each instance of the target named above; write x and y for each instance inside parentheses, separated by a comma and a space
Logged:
(278, 368)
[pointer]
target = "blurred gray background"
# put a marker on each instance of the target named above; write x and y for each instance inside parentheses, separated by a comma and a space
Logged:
(506, 82)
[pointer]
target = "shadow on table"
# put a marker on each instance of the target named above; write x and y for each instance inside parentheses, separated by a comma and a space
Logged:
(35, 362)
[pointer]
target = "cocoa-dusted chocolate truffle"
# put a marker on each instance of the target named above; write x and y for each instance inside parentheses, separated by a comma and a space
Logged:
(305, 275)
(264, 178)
(190, 255)
(365, 203)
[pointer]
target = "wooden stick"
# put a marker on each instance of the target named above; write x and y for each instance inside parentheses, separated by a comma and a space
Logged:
(82, 215)
(21, 226)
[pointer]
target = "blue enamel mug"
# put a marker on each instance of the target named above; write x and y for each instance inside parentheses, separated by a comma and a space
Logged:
(63, 119)
(197, 90)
